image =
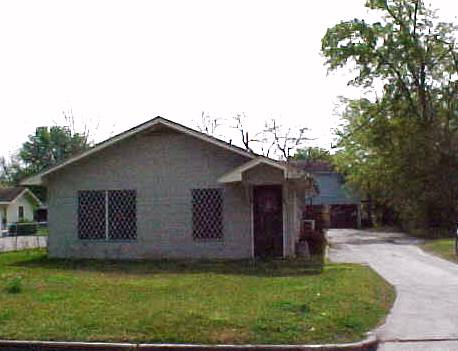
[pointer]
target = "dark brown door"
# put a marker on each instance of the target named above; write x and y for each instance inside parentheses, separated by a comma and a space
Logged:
(268, 221)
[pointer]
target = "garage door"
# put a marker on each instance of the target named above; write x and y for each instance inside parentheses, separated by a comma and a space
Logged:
(344, 216)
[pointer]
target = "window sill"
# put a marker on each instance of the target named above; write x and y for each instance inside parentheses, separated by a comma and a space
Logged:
(208, 240)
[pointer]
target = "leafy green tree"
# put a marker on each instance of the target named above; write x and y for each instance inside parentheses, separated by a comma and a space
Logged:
(48, 146)
(9, 171)
(399, 145)
(313, 154)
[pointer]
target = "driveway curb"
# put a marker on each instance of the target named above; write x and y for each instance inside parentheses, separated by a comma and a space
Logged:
(370, 344)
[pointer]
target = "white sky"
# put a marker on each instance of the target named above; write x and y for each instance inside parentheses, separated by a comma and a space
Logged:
(116, 64)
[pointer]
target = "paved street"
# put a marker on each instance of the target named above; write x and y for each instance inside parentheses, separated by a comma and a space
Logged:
(21, 243)
(425, 314)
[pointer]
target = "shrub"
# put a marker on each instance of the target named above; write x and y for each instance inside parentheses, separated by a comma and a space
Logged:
(317, 242)
(23, 229)
(13, 285)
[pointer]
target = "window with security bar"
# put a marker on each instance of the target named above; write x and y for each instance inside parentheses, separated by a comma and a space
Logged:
(92, 215)
(207, 214)
(107, 215)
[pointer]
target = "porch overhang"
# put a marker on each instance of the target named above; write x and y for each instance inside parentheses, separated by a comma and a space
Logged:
(236, 175)
(289, 172)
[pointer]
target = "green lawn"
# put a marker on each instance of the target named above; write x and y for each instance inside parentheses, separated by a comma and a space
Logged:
(42, 231)
(188, 302)
(444, 248)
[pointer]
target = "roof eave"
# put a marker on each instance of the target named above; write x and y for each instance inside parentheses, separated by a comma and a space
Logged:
(33, 180)
(33, 196)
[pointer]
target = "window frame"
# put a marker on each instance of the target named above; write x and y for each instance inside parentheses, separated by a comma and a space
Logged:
(107, 237)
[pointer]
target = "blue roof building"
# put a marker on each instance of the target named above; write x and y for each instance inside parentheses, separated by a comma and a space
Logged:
(340, 205)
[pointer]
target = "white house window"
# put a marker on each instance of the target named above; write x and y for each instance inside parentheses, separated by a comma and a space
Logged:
(107, 215)
(207, 214)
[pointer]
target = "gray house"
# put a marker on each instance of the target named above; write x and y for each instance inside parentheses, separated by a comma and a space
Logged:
(162, 190)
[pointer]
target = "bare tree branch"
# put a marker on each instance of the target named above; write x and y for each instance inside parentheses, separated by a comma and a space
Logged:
(208, 124)
(286, 140)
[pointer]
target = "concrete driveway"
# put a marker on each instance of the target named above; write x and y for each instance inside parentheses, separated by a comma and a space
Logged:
(425, 314)
(22, 243)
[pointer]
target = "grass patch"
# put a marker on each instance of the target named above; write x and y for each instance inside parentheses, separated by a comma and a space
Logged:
(444, 248)
(42, 231)
(13, 285)
(288, 301)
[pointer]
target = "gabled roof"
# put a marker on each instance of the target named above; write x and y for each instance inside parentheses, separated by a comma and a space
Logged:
(158, 121)
(10, 194)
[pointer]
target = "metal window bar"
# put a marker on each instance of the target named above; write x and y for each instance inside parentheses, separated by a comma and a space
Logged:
(91, 215)
(107, 215)
(207, 214)
(121, 214)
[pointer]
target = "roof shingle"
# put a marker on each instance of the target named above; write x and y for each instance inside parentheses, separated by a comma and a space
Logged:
(10, 193)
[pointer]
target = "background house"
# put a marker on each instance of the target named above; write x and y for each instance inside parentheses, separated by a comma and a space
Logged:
(162, 190)
(335, 206)
(17, 204)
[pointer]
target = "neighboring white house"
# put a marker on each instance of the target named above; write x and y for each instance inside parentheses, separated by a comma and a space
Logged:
(16, 204)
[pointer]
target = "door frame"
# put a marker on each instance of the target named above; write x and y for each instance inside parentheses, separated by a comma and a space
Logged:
(284, 216)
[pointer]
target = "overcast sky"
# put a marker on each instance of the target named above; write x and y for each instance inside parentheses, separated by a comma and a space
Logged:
(116, 64)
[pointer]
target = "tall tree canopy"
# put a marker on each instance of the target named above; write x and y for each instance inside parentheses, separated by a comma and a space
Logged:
(399, 145)
(45, 148)
(50, 145)
(313, 154)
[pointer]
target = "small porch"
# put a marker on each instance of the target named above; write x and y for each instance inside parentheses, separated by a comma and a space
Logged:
(276, 194)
